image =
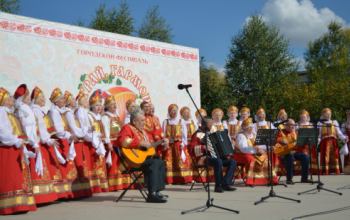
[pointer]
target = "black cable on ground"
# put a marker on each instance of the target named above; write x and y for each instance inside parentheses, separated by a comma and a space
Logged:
(322, 213)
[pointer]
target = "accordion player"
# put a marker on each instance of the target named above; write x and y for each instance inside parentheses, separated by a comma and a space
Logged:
(197, 149)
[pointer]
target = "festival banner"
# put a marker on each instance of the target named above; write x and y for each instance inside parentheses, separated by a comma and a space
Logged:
(50, 55)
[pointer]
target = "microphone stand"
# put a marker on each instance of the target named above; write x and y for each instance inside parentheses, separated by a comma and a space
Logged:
(210, 200)
(270, 173)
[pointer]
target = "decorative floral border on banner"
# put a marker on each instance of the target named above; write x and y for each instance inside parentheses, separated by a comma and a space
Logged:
(94, 40)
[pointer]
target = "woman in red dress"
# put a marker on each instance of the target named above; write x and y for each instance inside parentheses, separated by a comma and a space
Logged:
(177, 166)
(112, 126)
(98, 162)
(43, 187)
(329, 131)
(16, 191)
(50, 146)
(66, 141)
(82, 158)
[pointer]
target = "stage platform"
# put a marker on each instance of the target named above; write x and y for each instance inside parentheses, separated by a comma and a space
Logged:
(102, 206)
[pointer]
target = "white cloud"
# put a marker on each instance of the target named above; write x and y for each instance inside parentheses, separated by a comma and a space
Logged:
(218, 67)
(301, 61)
(299, 21)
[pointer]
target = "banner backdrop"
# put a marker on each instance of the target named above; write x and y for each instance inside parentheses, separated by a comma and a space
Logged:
(49, 55)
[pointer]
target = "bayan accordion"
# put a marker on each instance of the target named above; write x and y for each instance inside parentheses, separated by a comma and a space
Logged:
(221, 143)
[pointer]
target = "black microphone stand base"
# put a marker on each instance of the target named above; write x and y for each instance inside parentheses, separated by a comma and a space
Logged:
(207, 206)
(273, 194)
(343, 187)
(319, 188)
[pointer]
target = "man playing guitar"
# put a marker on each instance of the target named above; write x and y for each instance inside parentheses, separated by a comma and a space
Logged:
(288, 132)
(133, 136)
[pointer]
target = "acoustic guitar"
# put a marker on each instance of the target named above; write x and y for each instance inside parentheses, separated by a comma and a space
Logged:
(136, 156)
(284, 149)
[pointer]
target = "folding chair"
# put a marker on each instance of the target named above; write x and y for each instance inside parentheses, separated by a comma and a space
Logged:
(200, 169)
(240, 167)
(134, 176)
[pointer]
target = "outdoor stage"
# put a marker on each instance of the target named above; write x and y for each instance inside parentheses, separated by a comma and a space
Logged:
(102, 206)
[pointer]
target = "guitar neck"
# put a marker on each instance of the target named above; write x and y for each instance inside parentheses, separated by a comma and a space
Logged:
(155, 144)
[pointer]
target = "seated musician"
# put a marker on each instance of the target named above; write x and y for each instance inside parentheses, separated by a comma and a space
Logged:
(289, 132)
(197, 149)
(133, 136)
(253, 156)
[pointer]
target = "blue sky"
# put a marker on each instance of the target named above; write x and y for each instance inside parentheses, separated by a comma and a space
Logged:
(208, 24)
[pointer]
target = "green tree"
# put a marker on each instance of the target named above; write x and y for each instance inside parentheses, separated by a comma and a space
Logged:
(10, 6)
(79, 22)
(214, 89)
(154, 26)
(121, 20)
(112, 19)
(259, 58)
(328, 56)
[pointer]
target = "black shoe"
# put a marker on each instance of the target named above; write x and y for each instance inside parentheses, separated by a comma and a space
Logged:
(227, 188)
(218, 189)
(154, 198)
(290, 182)
(305, 180)
(161, 195)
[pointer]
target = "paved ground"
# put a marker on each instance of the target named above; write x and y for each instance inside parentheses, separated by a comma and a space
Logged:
(103, 206)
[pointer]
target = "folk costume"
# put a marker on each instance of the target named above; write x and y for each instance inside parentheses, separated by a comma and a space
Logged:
(218, 125)
(197, 149)
(128, 105)
(281, 113)
(16, 191)
(266, 125)
(82, 132)
(295, 154)
(43, 187)
(154, 130)
(112, 126)
(232, 124)
(243, 111)
(177, 162)
(346, 132)
(54, 162)
(191, 129)
(68, 170)
(330, 159)
(305, 149)
(199, 119)
(98, 152)
(256, 166)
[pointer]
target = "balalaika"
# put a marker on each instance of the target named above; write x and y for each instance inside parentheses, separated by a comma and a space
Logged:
(221, 143)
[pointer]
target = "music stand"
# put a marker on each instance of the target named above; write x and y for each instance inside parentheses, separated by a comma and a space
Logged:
(310, 135)
(268, 137)
(306, 136)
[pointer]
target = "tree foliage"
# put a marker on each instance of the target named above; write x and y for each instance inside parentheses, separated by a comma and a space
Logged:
(10, 6)
(112, 19)
(314, 98)
(328, 56)
(154, 26)
(259, 58)
(214, 89)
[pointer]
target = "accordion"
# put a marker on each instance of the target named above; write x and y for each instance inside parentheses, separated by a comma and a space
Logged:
(221, 143)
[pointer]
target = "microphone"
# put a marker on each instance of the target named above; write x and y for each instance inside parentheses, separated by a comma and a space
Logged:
(251, 91)
(182, 86)
(279, 123)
